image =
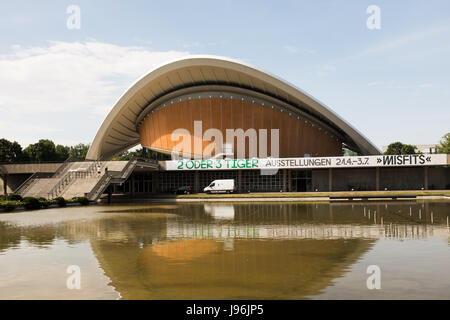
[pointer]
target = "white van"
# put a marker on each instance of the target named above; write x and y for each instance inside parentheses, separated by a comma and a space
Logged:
(220, 186)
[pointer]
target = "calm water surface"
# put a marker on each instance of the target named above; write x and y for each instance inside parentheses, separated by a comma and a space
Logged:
(228, 251)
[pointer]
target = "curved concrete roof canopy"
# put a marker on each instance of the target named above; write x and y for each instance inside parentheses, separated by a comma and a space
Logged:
(119, 129)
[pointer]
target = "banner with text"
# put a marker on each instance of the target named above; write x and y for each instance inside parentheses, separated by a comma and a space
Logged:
(307, 163)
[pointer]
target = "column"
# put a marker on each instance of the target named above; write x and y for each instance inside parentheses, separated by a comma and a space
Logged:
(5, 184)
(196, 181)
(289, 180)
(239, 186)
(155, 180)
(425, 177)
(330, 179)
(132, 185)
(377, 178)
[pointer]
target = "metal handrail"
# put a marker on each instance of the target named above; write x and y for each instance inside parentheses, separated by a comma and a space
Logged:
(25, 183)
(103, 182)
(29, 181)
(106, 179)
(64, 165)
(127, 166)
(67, 178)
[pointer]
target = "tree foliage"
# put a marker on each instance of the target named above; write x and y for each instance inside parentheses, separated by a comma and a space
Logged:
(62, 152)
(10, 151)
(400, 148)
(42, 151)
(127, 155)
(79, 151)
(444, 146)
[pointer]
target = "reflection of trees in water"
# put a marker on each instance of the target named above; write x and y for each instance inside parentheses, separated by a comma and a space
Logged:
(43, 236)
(118, 228)
(135, 251)
(9, 237)
(145, 224)
(356, 212)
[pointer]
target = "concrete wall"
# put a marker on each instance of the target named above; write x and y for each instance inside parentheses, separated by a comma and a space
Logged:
(412, 178)
(402, 178)
(358, 179)
(439, 178)
(344, 179)
(14, 181)
(320, 180)
(31, 167)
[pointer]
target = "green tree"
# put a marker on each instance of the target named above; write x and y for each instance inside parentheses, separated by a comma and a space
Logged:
(127, 155)
(444, 146)
(408, 149)
(400, 148)
(10, 151)
(79, 151)
(62, 152)
(43, 150)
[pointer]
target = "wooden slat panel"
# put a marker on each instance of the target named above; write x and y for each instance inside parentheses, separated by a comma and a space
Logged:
(296, 137)
(158, 143)
(276, 124)
(205, 118)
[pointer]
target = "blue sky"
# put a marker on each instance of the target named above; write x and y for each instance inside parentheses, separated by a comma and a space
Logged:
(391, 84)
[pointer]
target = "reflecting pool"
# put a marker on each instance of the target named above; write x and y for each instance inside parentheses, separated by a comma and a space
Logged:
(228, 251)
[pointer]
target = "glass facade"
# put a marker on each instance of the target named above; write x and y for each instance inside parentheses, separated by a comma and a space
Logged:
(168, 181)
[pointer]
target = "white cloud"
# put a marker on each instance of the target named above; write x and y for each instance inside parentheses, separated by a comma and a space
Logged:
(64, 77)
(401, 42)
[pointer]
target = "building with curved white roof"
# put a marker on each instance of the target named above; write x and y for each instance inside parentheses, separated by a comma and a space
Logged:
(223, 94)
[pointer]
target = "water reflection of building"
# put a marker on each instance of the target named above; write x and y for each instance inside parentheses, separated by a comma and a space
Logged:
(296, 250)
(220, 211)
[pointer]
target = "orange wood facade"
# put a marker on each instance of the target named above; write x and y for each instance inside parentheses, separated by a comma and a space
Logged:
(295, 136)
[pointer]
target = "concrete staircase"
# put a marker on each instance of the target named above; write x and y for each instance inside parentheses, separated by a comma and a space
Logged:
(40, 187)
(81, 178)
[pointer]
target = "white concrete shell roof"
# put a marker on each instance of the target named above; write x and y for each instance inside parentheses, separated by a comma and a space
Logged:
(119, 130)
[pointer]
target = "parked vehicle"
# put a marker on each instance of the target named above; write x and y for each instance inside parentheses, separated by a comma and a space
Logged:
(226, 185)
(183, 190)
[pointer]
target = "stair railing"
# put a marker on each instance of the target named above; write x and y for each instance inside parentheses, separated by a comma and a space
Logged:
(69, 177)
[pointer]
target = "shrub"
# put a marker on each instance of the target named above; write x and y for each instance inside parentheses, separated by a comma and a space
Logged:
(8, 205)
(44, 203)
(14, 197)
(81, 200)
(31, 203)
(60, 201)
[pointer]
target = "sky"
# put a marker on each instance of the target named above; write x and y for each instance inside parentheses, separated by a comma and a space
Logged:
(391, 83)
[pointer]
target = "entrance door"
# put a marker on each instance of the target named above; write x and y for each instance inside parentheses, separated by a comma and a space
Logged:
(301, 180)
